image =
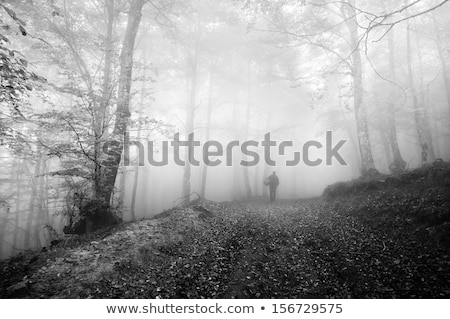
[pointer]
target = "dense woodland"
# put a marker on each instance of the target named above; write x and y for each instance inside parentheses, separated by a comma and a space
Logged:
(78, 74)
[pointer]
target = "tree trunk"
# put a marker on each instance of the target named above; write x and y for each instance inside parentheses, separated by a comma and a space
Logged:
(257, 176)
(109, 53)
(137, 166)
(18, 202)
(122, 179)
(208, 125)
(424, 104)
(14, 175)
(192, 62)
(424, 136)
(386, 147)
(41, 216)
(356, 169)
(398, 164)
(101, 115)
(367, 164)
(32, 203)
(442, 59)
(4, 221)
(266, 169)
(237, 193)
(112, 160)
(3, 227)
(248, 189)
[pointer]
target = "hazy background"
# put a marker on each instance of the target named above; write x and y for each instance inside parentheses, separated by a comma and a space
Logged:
(228, 70)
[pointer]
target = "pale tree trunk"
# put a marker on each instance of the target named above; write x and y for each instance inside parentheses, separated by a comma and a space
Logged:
(4, 223)
(42, 212)
(248, 189)
(137, 167)
(256, 181)
(351, 135)
(208, 125)
(3, 227)
(18, 201)
(398, 164)
(192, 64)
(31, 218)
(266, 169)
(237, 192)
(112, 161)
(386, 147)
(257, 177)
(424, 136)
(367, 164)
(442, 58)
(135, 180)
(424, 104)
(266, 173)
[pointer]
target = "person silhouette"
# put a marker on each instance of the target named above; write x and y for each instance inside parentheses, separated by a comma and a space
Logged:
(272, 181)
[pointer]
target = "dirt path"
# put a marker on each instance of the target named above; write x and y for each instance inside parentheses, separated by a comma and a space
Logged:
(257, 249)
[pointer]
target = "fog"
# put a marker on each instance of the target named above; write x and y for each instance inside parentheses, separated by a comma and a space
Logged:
(224, 71)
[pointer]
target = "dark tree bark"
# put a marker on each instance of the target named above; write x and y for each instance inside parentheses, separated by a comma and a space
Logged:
(101, 114)
(112, 161)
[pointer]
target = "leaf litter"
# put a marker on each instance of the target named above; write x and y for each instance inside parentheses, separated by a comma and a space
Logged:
(383, 241)
(289, 249)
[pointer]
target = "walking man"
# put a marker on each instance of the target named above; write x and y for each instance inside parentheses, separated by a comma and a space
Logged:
(272, 181)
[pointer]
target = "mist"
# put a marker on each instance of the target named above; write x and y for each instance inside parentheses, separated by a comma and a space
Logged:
(223, 71)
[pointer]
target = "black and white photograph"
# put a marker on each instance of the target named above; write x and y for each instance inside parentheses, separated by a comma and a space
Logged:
(228, 150)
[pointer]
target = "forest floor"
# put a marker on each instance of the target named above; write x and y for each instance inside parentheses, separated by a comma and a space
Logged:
(386, 237)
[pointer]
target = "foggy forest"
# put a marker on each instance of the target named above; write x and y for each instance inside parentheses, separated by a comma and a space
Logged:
(224, 149)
